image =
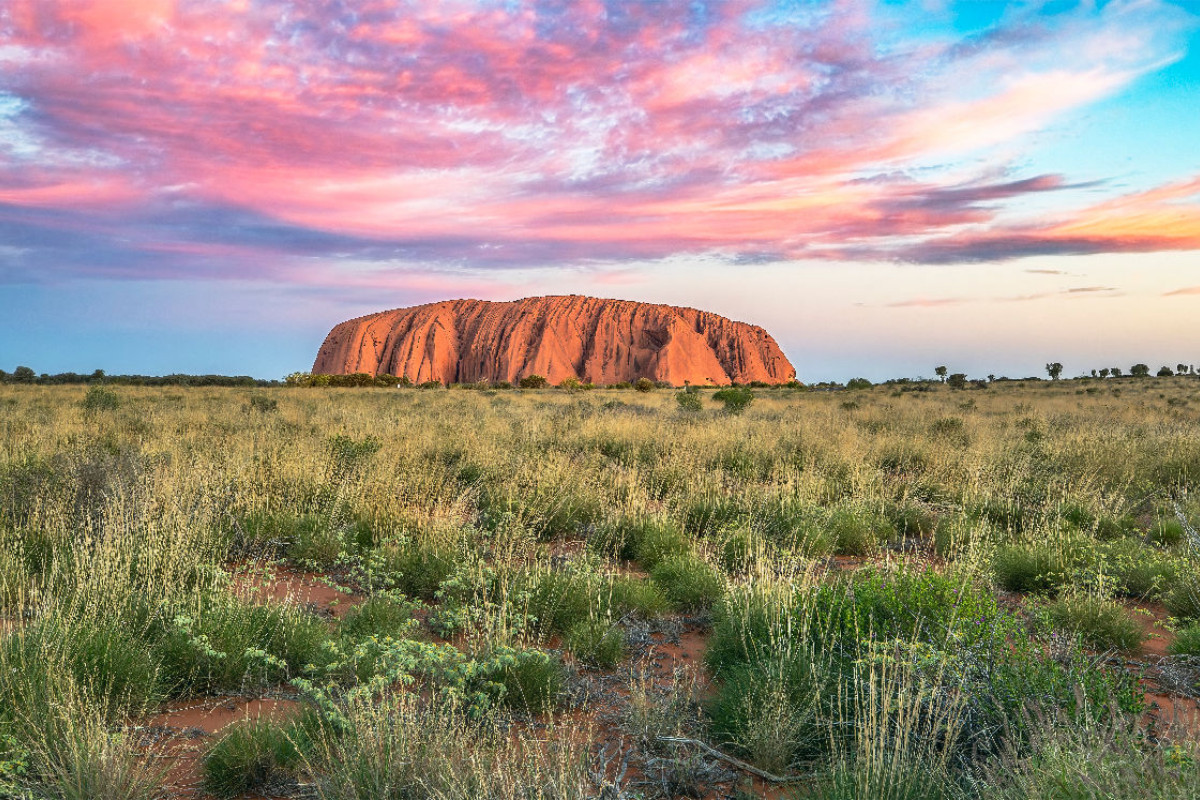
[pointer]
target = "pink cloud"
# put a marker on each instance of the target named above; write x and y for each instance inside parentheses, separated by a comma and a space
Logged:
(568, 132)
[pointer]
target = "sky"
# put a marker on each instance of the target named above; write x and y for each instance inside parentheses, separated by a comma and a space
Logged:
(208, 187)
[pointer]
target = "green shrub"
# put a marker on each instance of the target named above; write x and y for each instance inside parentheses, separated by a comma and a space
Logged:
(952, 535)
(262, 404)
(689, 582)
(648, 540)
(856, 532)
(348, 454)
(101, 399)
(597, 642)
(1166, 532)
(1100, 624)
(892, 777)
(912, 519)
(769, 709)
(632, 595)
(533, 382)
(643, 385)
(400, 748)
(1187, 642)
(74, 755)
(533, 682)
(254, 756)
(226, 644)
(689, 401)
(101, 655)
(709, 513)
(378, 616)
(736, 399)
(418, 566)
(1095, 761)
(1140, 571)
(558, 600)
(1114, 527)
(1029, 568)
(319, 545)
(1183, 598)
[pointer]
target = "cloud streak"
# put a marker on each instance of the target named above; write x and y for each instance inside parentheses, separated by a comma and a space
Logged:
(164, 138)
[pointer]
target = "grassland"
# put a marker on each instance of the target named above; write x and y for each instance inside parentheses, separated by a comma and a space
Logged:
(887, 593)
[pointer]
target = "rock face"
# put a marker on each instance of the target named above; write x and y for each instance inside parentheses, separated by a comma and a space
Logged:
(594, 340)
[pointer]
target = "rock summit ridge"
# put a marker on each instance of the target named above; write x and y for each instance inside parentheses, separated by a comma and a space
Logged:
(596, 340)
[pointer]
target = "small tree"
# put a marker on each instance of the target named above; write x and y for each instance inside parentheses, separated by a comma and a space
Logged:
(1116, 371)
(1139, 370)
(941, 373)
(957, 381)
(1181, 369)
(1165, 372)
(1055, 370)
(1104, 372)
(735, 398)
(689, 401)
(533, 382)
(858, 383)
(23, 375)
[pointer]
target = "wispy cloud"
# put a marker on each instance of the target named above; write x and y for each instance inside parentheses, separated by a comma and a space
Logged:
(155, 138)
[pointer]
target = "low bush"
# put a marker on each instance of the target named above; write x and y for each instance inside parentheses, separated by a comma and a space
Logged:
(417, 566)
(378, 616)
(1029, 569)
(912, 519)
(643, 598)
(710, 513)
(534, 681)
(1100, 624)
(857, 532)
(227, 644)
(648, 540)
(689, 582)
(736, 399)
(1182, 599)
(100, 399)
(597, 642)
(556, 601)
(895, 777)
(769, 709)
(689, 401)
(102, 655)
(253, 756)
(398, 748)
(1166, 532)
(1139, 571)
(1107, 760)
(1187, 642)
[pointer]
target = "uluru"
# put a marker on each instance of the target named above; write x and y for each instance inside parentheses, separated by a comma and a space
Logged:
(592, 339)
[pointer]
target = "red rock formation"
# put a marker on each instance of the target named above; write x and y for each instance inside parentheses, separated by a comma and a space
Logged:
(595, 340)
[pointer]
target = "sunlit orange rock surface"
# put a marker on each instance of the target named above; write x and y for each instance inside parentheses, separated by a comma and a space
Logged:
(594, 340)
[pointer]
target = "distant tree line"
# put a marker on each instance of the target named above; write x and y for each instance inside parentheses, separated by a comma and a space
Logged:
(26, 375)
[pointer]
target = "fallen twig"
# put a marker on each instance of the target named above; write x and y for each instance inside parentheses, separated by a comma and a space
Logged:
(737, 762)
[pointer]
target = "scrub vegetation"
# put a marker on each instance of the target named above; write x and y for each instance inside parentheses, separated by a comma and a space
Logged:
(901, 591)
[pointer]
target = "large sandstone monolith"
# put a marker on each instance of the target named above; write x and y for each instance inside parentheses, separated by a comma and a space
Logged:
(592, 339)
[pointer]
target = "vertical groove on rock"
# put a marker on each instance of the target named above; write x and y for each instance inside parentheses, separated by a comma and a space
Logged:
(596, 340)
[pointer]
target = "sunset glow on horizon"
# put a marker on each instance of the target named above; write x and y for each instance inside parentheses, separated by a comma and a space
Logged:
(195, 186)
